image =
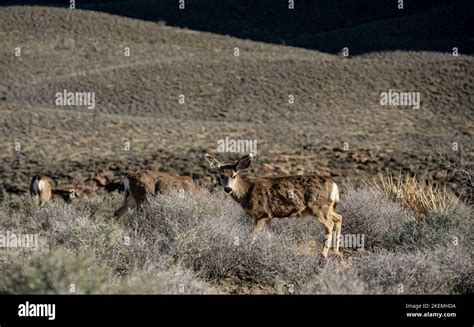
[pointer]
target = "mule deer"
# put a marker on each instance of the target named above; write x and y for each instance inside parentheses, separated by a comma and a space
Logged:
(138, 185)
(41, 189)
(288, 196)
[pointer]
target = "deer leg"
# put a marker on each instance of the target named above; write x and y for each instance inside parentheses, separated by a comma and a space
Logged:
(338, 225)
(45, 197)
(119, 212)
(324, 218)
(129, 204)
(261, 223)
(328, 239)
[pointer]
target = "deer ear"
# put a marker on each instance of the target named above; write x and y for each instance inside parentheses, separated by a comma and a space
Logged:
(244, 162)
(212, 163)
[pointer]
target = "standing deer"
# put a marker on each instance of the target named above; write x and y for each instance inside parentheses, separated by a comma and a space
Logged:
(287, 196)
(41, 189)
(138, 185)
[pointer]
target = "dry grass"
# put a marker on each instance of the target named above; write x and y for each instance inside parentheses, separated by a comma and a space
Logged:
(420, 197)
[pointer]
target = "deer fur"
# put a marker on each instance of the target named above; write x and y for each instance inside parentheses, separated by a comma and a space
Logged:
(43, 191)
(138, 185)
(266, 198)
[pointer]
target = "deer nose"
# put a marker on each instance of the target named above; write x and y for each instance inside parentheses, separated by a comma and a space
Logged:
(227, 189)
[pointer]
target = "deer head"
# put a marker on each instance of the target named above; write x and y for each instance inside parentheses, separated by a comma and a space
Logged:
(228, 172)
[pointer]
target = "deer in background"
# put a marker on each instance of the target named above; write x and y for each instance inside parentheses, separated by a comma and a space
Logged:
(41, 189)
(290, 196)
(138, 185)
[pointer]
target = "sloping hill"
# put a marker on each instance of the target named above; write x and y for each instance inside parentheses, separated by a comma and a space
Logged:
(244, 97)
(324, 25)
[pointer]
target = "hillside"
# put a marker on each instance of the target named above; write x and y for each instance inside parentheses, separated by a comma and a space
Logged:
(244, 97)
(324, 25)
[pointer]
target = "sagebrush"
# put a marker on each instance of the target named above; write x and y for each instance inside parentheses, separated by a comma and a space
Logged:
(201, 244)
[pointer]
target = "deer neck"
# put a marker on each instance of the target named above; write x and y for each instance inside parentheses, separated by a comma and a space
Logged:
(242, 190)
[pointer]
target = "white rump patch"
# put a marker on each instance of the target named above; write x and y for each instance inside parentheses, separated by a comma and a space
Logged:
(126, 183)
(335, 193)
(40, 185)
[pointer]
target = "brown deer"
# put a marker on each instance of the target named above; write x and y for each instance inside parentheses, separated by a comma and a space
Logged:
(289, 196)
(41, 189)
(138, 185)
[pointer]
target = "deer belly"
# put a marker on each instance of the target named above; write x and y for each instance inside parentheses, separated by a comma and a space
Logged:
(286, 204)
(283, 211)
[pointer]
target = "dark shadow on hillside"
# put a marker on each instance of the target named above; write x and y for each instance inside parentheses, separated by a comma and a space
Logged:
(326, 25)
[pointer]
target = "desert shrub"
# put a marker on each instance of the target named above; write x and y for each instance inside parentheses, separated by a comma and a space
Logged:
(210, 234)
(336, 281)
(370, 213)
(53, 273)
(443, 270)
(435, 228)
(387, 225)
(93, 232)
(184, 244)
(101, 208)
(16, 211)
(62, 271)
(162, 280)
(71, 227)
(420, 197)
(80, 227)
(459, 169)
(17, 205)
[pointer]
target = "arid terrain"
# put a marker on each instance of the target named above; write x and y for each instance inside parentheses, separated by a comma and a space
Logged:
(240, 97)
(176, 96)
